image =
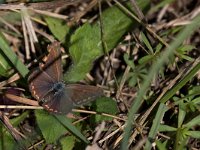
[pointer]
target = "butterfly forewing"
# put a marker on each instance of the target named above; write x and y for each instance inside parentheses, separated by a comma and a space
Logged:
(82, 94)
(39, 83)
(52, 62)
(49, 72)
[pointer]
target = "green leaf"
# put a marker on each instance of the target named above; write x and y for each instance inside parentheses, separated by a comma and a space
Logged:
(7, 141)
(188, 30)
(10, 17)
(160, 145)
(84, 50)
(4, 65)
(128, 61)
(193, 122)
(161, 4)
(166, 128)
(188, 58)
(50, 127)
(115, 23)
(183, 49)
(194, 134)
(53, 126)
(156, 125)
(196, 100)
(133, 80)
(183, 81)
(12, 57)
(158, 47)
(104, 105)
(147, 43)
(86, 43)
(17, 120)
(65, 122)
(146, 59)
(181, 114)
(68, 142)
(58, 27)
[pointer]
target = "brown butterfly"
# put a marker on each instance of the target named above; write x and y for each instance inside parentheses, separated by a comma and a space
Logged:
(47, 86)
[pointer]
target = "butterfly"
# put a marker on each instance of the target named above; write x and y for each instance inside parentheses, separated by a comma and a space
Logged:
(47, 86)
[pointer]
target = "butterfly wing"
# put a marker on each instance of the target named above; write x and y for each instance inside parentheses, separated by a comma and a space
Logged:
(82, 94)
(53, 63)
(72, 95)
(39, 83)
(59, 103)
(49, 72)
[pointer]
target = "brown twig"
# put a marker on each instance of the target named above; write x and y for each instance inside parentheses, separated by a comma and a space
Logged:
(12, 79)
(21, 100)
(93, 112)
(14, 132)
(41, 6)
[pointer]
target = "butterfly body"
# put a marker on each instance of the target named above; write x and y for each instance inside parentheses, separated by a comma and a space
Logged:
(47, 86)
(58, 88)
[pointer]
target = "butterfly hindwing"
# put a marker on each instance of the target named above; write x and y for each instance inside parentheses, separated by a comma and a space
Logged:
(58, 103)
(82, 94)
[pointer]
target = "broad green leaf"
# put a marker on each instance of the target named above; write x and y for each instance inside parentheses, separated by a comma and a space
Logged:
(53, 126)
(84, 49)
(86, 43)
(12, 57)
(50, 127)
(58, 27)
(115, 23)
(68, 142)
(104, 105)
